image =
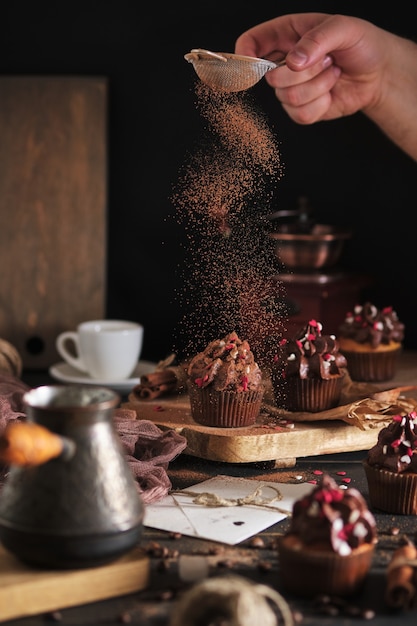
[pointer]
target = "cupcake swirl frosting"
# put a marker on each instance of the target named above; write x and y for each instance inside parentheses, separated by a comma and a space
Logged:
(368, 324)
(396, 447)
(333, 518)
(311, 355)
(226, 364)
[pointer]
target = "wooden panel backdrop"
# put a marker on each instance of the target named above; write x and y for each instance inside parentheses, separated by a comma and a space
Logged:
(52, 208)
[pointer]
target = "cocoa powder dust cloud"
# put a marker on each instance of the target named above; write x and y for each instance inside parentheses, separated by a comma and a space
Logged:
(223, 196)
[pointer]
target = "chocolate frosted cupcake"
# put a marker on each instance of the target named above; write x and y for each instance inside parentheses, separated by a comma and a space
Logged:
(391, 467)
(371, 339)
(330, 543)
(308, 371)
(225, 384)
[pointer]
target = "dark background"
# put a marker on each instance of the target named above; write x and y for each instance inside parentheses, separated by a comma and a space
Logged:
(350, 172)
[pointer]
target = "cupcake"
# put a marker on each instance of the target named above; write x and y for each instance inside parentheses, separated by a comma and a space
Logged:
(225, 384)
(371, 340)
(330, 543)
(308, 371)
(391, 467)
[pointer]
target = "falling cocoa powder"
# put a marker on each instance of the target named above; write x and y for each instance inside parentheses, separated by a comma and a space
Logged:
(223, 198)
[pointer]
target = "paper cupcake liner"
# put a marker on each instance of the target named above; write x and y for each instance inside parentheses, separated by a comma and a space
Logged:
(224, 409)
(308, 572)
(391, 492)
(372, 366)
(307, 394)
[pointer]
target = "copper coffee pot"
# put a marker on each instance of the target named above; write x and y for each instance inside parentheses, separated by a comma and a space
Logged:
(69, 499)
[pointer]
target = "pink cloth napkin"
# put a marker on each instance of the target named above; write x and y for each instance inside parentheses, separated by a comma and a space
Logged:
(11, 399)
(149, 451)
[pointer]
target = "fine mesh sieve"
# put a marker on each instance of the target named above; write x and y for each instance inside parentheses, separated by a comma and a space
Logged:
(224, 71)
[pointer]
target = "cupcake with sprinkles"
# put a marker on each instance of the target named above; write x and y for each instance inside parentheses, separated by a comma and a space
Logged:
(391, 467)
(371, 339)
(308, 371)
(330, 542)
(225, 384)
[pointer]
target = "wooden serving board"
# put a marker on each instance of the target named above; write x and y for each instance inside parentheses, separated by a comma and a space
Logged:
(261, 442)
(28, 591)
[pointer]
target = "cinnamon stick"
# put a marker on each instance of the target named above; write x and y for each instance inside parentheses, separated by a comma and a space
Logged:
(158, 383)
(158, 378)
(400, 592)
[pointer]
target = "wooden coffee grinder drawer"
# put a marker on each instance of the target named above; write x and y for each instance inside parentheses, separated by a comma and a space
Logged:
(324, 297)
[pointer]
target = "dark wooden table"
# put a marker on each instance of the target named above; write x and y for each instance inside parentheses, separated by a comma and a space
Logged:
(255, 560)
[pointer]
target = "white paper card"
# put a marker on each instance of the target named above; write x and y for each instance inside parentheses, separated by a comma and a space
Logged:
(225, 524)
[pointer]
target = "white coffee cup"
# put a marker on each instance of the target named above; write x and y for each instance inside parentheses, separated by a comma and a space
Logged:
(106, 350)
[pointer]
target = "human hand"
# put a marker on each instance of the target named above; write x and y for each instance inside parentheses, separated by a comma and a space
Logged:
(334, 63)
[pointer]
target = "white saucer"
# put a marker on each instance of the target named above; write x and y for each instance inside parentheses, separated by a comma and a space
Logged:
(68, 374)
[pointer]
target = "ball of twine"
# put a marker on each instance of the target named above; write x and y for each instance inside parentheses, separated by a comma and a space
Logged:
(232, 600)
(10, 359)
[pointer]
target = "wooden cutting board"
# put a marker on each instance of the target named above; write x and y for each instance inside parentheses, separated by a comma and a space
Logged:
(53, 183)
(272, 443)
(260, 442)
(28, 591)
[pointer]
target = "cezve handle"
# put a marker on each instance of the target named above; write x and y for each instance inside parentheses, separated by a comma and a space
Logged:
(28, 444)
